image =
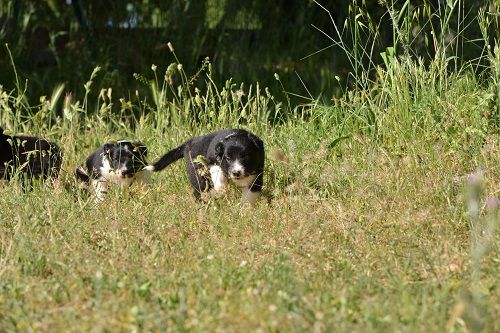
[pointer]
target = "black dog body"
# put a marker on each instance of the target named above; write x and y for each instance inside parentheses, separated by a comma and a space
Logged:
(119, 163)
(29, 156)
(230, 154)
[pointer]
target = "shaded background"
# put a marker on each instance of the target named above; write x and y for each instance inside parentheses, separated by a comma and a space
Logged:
(61, 41)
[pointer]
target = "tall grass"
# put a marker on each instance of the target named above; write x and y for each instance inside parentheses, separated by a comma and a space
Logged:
(376, 220)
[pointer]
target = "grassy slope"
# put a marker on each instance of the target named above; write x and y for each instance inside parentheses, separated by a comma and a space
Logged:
(367, 234)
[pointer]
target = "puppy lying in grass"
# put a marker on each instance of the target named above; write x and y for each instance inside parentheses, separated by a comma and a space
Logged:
(120, 163)
(214, 159)
(29, 157)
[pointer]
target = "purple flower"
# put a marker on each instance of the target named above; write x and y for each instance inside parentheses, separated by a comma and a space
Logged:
(492, 203)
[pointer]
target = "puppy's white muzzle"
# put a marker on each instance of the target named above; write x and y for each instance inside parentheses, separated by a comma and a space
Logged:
(236, 170)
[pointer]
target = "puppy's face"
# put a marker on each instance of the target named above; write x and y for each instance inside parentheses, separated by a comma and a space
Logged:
(240, 157)
(124, 158)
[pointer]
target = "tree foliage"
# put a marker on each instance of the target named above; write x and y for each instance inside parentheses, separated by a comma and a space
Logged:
(56, 41)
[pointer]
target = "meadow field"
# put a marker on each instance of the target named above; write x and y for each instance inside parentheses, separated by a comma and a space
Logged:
(380, 211)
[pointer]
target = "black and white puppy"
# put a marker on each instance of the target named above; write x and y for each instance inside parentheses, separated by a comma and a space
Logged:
(213, 159)
(28, 156)
(120, 163)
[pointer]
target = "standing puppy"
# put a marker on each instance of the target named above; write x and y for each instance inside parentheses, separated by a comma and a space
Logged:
(31, 156)
(213, 159)
(119, 163)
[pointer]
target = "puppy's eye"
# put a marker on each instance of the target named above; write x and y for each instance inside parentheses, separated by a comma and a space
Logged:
(228, 158)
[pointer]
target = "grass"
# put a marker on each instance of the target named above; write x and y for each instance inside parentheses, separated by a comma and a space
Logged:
(361, 236)
(381, 213)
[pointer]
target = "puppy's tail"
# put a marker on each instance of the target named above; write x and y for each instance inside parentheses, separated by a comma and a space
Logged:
(167, 159)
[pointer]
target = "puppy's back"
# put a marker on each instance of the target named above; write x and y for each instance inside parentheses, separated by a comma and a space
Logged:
(32, 155)
(41, 157)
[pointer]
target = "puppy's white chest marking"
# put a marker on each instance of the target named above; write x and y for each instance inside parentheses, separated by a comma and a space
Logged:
(220, 182)
(101, 188)
(101, 185)
(218, 178)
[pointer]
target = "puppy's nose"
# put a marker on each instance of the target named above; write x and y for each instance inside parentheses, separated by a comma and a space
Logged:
(236, 174)
(126, 173)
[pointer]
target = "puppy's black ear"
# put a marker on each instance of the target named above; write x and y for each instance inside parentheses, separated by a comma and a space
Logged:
(81, 175)
(106, 149)
(258, 142)
(219, 151)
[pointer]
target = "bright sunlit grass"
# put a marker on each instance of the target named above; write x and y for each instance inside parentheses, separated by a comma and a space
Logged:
(380, 213)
